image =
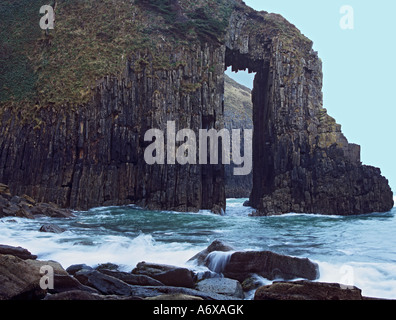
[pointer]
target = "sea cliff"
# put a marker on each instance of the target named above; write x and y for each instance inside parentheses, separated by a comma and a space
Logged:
(77, 101)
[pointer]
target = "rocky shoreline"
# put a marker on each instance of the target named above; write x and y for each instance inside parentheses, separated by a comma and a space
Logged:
(26, 207)
(229, 275)
(90, 153)
(218, 273)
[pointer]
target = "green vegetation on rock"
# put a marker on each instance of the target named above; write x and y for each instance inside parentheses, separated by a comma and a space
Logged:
(93, 39)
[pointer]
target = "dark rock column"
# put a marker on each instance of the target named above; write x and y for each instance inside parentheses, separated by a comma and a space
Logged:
(301, 160)
(263, 170)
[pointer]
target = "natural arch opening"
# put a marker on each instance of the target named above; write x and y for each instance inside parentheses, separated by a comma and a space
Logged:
(238, 114)
(261, 179)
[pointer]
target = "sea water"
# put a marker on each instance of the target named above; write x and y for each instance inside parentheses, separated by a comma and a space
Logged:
(355, 250)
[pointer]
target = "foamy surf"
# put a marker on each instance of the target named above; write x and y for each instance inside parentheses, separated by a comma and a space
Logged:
(361, 246)
(68, 248)
(374, 279)
(218, 260)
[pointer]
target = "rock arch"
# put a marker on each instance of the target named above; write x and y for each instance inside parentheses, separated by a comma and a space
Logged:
(82, 156)
(301, 160)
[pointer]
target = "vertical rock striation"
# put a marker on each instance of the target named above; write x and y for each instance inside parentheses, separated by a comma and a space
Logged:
(302, 161)
(92, 154)
(95, 156)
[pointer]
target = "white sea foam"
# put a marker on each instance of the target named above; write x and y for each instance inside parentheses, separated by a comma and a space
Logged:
(374, 279)
(308, 215)
(111, 235)
(217, 260)
(68, 248)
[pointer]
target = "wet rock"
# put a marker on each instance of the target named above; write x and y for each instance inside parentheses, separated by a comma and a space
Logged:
(19, 279)
(15, 200)
(9, 209)
(269, 265)
(147, 292)
(51, 228)
(224, 286)
(75, 295)
(64, 283)
(105, 284)
(73, 269)
(19, 252)
(168, 275)
(26, 207)
(56, 266)
(305, 290)
(216, 245)
(202, 275)
(29, 200)
(217, 261)
(246, 203)
(51, 210)
(62, 280)
(133, 279)
(4, 189)
(251, 283)
(107, 266)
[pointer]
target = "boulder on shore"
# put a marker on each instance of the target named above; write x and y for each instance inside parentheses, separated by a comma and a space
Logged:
(63, 282)
(306, 290)
(19, 279)
(51, 210)
(168, 275)
(239, 265)
(73, 269)
(217, 245)
(133, 279)
(225, 286)
(103, 283)
(19, 252)
(51, 228)
(269, 265)
(4, 189)
(26, 207)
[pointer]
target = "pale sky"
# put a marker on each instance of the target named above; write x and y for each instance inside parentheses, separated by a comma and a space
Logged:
(359, 69)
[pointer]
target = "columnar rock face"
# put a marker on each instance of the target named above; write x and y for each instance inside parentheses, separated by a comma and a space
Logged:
(95, 156)
(92, 153)
(302, 161)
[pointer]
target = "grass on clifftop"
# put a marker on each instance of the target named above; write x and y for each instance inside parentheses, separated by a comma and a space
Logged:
(205, 19)
(91, 39)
